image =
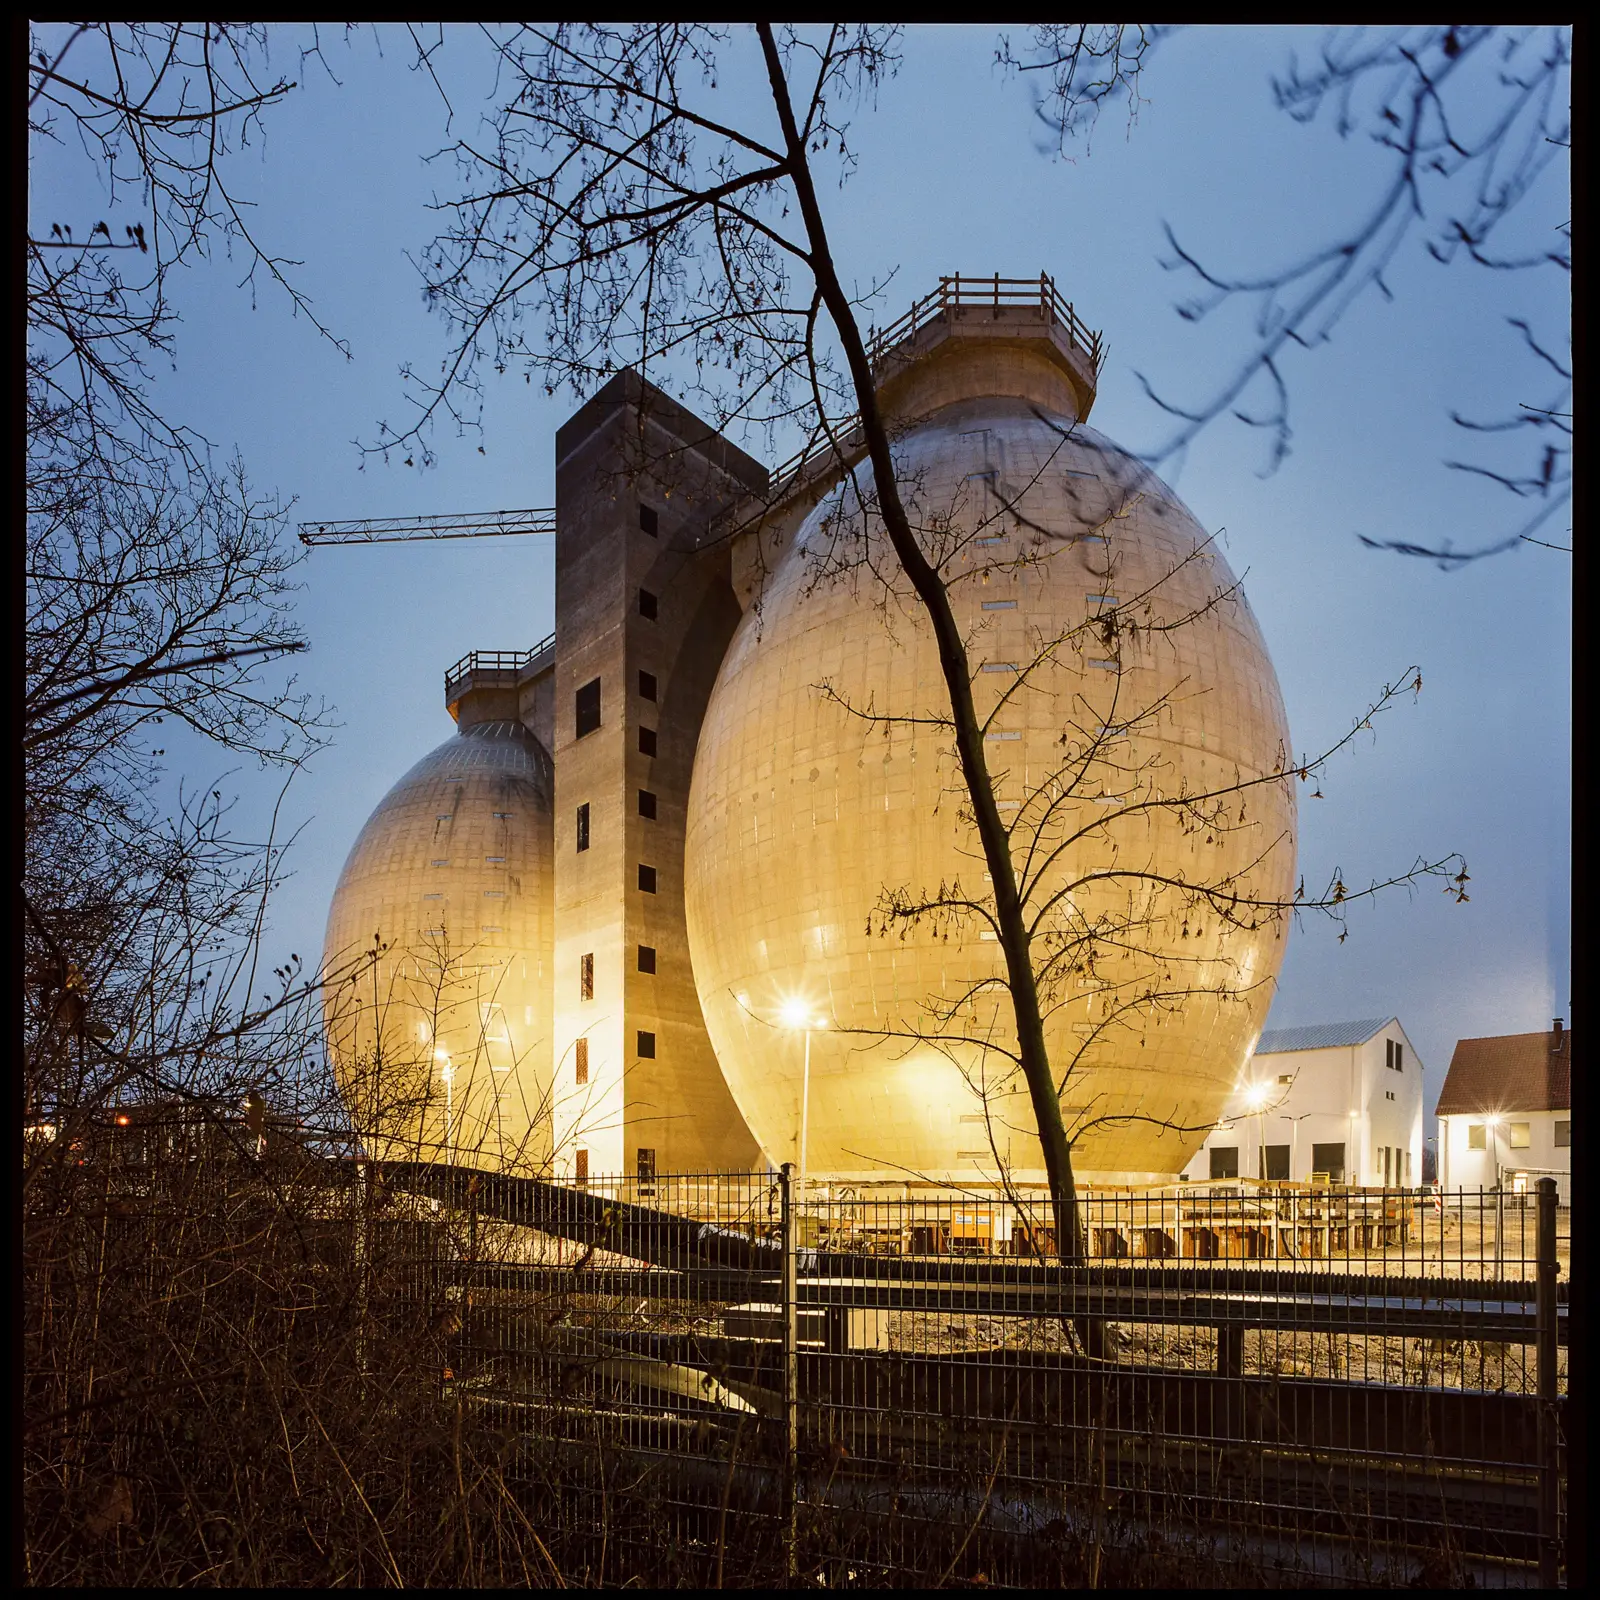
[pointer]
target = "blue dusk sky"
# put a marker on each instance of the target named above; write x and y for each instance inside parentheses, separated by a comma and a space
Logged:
(951, 178)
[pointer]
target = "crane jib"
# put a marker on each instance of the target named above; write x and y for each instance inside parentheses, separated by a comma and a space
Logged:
(449, 525)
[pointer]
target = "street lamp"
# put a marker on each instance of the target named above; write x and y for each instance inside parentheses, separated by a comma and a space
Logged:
(1294, 1137)
(1499, 1199)
(447, 1076)
(797, 1014)
(1255, 1097)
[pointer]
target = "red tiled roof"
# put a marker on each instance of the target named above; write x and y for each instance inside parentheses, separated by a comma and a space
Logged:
(1514, 1072)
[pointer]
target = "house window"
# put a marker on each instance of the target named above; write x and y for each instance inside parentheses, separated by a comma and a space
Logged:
(586, 977)
(1395, 1055)
(1277, 1163)
(649, 522)
(1520, 1135)
(647, 880)
(1386, 1154)
(647, 958)
(1286, 1078)
(647, 1165)
(1388, 1094)
(580, 1061)
(647, 804)
(1407, 1178)
(647, 741)
(1476, 1132)
(647, 1045)
(1225, 1161)
(1564, 1135)
(583, 826)
(647, 685)
(588, 707)
(580, 1167)
(1329, 1158)
(649, 606)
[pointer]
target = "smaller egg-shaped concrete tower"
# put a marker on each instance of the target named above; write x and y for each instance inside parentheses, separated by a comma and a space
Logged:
(440, 942)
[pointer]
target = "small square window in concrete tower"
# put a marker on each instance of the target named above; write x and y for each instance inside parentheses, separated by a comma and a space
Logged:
(647, 685)
(647, 880)
(649, 605)
(647, 958)
(647, 741)
(580, 1061)
(647, 804)
(647, 1045)
(588, 707)
(586, 977)
(647, 1165)
(583, 826)
(649, 522)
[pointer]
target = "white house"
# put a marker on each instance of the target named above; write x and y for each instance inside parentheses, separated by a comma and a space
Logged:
(1505, 1112)
(1339, 1098)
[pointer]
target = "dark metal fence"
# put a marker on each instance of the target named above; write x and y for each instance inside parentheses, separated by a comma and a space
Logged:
(722, 1380)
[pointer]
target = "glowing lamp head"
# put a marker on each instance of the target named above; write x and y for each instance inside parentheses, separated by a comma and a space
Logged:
(1255, 1096)
(795, 1014)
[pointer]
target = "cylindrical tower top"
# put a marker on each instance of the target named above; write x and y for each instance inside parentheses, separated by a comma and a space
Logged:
(988, 337)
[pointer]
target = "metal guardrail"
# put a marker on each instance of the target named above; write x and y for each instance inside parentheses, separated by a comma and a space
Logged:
(996, 294)
(839, 1358)
(739, 1380)
(955, 292)
(511, 662)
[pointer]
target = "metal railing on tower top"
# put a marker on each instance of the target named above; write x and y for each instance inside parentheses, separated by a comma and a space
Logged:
(998, 294)
(995, 293)
(513, 662)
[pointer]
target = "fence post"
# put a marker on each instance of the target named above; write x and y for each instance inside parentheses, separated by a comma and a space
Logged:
(1549, 1483)
(363, 1254)
(791, 1371)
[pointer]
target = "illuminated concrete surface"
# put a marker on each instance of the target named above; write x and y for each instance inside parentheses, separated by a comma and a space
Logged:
(442, 1042)
(768, 755)
(806, 810)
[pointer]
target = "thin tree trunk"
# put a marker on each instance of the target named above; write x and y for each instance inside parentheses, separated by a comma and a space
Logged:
(931, 592)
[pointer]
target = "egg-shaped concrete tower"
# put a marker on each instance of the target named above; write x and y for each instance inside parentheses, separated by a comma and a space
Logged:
(440, 937)
(1134, 731)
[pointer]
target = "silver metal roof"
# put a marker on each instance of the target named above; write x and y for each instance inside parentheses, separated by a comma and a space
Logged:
(1319, 1036)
